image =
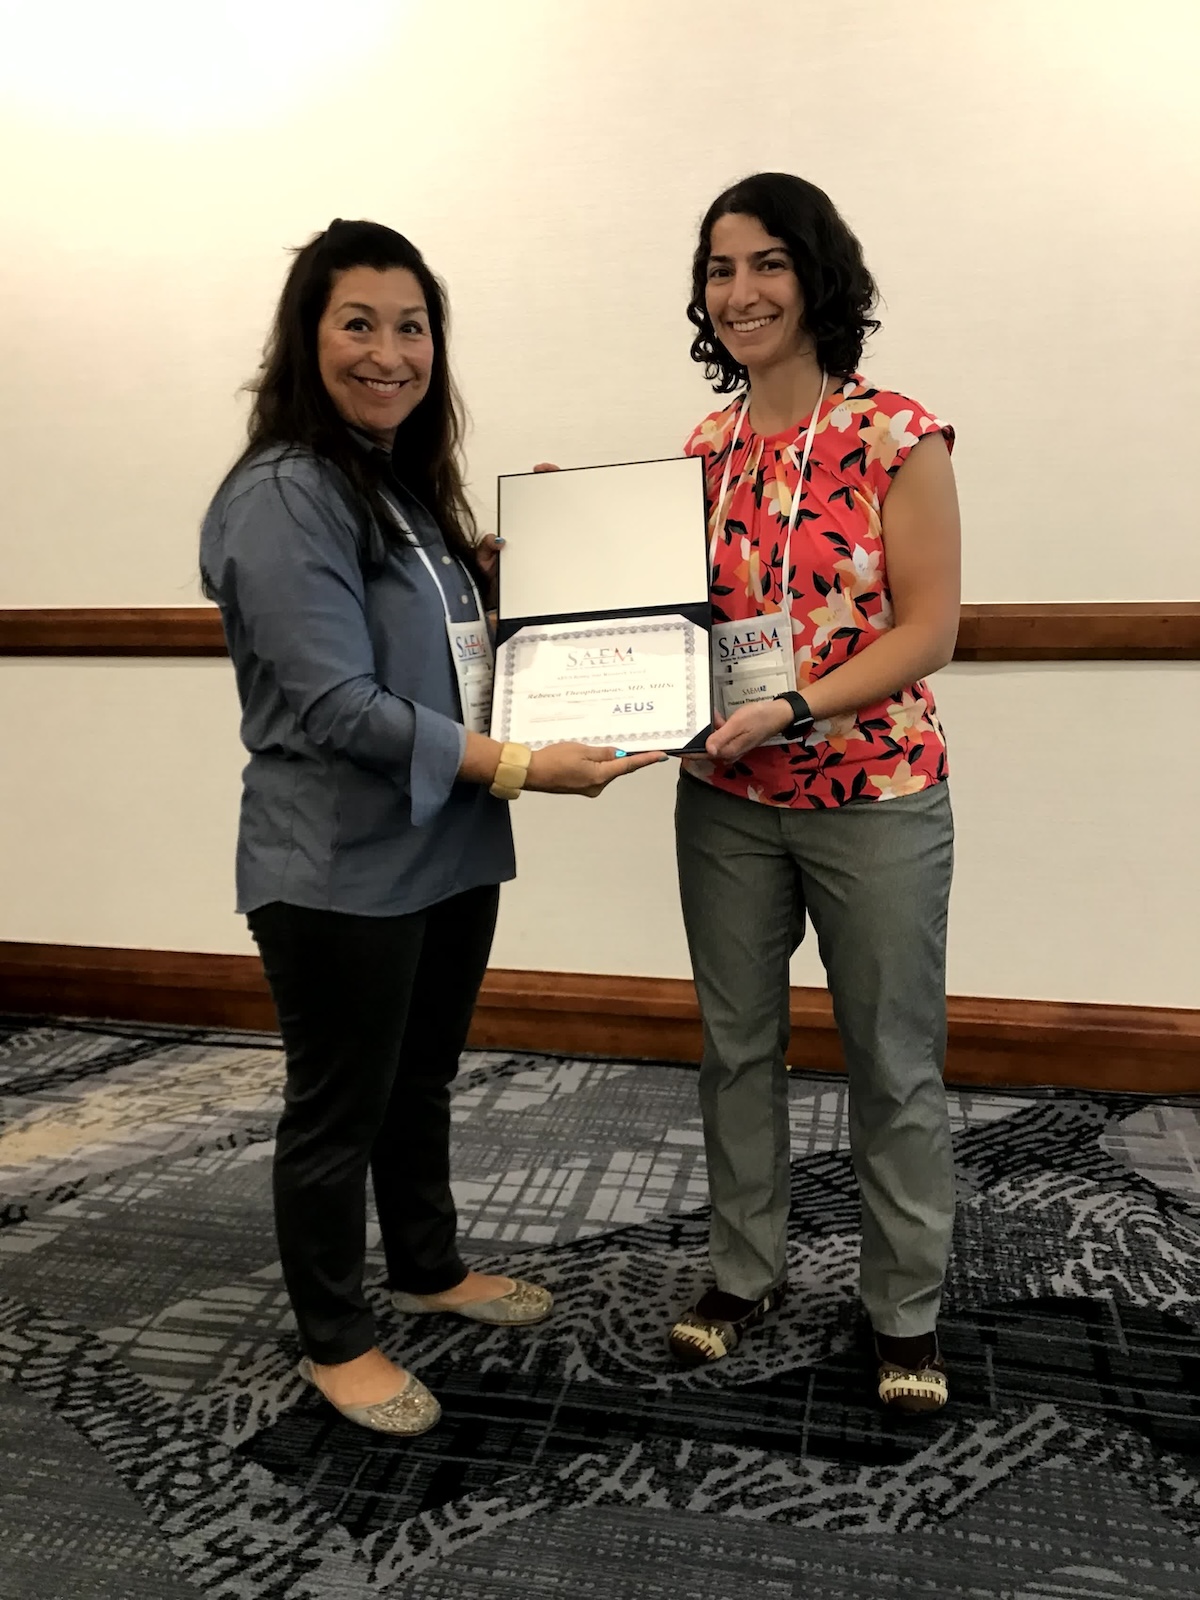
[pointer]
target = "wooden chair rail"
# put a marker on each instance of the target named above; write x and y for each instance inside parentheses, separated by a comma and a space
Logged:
(1141, 630)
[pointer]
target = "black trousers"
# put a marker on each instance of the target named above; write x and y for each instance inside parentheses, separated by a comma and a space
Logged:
(374, 1013)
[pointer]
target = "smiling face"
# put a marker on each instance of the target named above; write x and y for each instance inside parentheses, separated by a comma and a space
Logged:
(375, 348)
(752, 294)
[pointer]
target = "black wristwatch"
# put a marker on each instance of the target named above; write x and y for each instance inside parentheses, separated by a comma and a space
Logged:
(802, 717)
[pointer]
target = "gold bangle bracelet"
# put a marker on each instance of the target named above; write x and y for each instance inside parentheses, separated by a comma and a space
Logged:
(511, 771)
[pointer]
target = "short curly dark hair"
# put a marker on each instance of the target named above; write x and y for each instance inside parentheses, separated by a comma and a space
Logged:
(839, 292)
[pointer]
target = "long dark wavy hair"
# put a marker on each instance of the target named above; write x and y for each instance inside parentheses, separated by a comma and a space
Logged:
(293, 408)
(839, 293)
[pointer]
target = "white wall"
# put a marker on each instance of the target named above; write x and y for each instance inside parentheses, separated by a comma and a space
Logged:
(1073, 787)
(1024, 176)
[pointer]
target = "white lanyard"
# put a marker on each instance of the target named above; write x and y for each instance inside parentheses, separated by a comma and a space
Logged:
(470, 643)
(402, 524)
(753, 658)
(428, 565)
(719, 513)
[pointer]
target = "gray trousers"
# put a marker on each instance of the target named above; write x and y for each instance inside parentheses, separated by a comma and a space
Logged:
(874, 877)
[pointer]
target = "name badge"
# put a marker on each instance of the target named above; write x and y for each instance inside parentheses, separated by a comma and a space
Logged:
(752, 660)
(471, 653)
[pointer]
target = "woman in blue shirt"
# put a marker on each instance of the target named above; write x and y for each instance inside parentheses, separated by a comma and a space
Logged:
(374, 828)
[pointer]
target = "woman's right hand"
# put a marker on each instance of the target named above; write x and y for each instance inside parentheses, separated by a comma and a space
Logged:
(582, 768)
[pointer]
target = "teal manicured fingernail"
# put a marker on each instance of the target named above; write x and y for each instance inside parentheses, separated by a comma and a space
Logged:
(621, 754)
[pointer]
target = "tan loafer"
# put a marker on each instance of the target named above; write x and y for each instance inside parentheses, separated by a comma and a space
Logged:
(414, 1410)
(524, 1303)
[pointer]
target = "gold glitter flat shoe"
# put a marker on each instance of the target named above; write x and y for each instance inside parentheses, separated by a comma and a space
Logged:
(524, 1303)
(414, 1410)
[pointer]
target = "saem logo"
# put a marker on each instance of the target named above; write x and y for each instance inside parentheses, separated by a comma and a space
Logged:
(607, 657)
(750, 641)
(471, 646)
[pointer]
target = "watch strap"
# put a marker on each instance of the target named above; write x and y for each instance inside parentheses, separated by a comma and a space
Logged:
(802, 717)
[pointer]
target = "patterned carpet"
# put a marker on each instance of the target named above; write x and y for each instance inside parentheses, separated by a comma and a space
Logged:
(155, 1442)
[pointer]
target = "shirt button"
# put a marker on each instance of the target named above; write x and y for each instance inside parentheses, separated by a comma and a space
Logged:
(445, 561)
(463, 598)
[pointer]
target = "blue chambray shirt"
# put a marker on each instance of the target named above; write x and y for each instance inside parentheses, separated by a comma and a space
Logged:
(350, 707)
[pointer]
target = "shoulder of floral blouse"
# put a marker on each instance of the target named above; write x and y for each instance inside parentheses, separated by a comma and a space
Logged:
(893, 403)
(710, 435)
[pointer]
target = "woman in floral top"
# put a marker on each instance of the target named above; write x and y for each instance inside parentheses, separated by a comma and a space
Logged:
(823, 796)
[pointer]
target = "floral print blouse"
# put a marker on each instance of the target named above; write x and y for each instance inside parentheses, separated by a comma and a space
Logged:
(839, 591)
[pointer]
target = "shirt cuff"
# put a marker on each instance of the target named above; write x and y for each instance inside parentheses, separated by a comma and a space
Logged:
(437, 753)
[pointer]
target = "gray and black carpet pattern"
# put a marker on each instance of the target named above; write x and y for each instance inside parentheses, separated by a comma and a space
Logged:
(156, 1442)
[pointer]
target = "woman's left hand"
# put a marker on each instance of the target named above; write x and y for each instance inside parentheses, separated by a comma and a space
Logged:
(487, 553)
(749, 726)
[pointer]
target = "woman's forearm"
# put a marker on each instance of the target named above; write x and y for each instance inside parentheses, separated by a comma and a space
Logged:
(904, 654)
(480, 759)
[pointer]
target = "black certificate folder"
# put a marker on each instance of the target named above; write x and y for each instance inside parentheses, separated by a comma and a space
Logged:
(603, 610)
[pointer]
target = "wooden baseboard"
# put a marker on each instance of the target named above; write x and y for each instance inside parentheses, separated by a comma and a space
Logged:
(1139, 1049)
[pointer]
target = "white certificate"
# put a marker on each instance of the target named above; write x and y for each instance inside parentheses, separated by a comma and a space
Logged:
(639, 683)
